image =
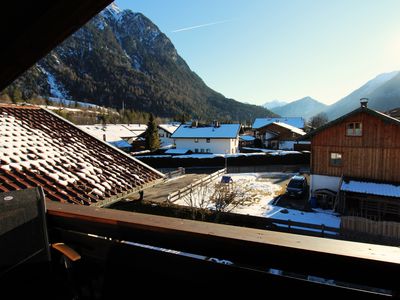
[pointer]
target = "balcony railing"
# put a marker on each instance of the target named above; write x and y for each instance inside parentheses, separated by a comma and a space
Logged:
(169, 255)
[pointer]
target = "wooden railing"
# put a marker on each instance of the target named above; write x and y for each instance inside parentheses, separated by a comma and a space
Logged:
(118, 239)
(189, 189)
(178, 172)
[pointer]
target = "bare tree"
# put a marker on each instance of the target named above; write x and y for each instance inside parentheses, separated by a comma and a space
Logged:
(198, 200)
(227, 196)
(318, 120)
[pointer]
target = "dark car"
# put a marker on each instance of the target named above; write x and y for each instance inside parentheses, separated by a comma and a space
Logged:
(297, 186)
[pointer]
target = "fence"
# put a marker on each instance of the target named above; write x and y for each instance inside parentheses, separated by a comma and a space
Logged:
(188, 189)
(254, 160)
(178, 172)
(362, 229)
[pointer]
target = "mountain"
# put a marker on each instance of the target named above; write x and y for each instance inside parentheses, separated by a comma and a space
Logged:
(120, 58)
(383, 93)
(274, 103)
(305, 107)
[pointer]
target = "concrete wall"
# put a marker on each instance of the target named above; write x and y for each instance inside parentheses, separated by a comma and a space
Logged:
(324, 182)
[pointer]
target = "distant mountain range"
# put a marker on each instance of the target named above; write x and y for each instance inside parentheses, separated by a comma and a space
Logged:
(274, 103)
(121, 59)
(383, 93)
(305, 107)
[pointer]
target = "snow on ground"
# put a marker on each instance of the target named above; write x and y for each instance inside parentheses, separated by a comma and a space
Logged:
(317, 217)
(261, 191)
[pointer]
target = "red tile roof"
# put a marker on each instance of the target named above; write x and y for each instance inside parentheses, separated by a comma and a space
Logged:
(38, 147)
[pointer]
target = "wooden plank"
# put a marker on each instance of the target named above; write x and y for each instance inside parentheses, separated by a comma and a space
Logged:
(363, 263)
(148, 267)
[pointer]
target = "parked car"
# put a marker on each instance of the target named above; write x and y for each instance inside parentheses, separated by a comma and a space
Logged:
(297, 186)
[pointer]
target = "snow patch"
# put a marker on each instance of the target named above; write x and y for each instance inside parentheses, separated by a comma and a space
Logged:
(56, 89)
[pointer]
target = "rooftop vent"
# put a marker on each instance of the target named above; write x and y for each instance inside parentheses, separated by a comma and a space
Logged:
(364, 102)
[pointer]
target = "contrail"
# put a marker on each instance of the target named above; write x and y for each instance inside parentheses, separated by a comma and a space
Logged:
(202, 25)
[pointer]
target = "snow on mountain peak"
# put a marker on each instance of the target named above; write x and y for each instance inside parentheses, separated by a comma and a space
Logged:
(112, 11)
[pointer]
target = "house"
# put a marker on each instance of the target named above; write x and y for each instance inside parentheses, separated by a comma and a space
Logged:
(119, 135)
(165, 131)
(292, 121)
(115, 132)
(39, 148)
(217, 138)
(358, 157)
(246, 140)
(279, 135)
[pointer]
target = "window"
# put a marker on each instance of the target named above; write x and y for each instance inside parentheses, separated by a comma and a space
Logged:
(196, 140)
(354, 129)
(336, 159)
(208, 150)
(202, 150)
(207, 140)
(161, 134)
(196, 150)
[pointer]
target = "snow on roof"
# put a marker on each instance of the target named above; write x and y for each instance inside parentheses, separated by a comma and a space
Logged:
(114, 132)
(247, 138)
(372, 188)
(223, 131)
(170, 128)
(290, 127)
(121, 144)
(136, 127)
(40, 148)
(293, 121)
(177, 151)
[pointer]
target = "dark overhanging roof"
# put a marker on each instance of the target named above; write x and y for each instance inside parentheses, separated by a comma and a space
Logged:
(31, 29)
(367, 110)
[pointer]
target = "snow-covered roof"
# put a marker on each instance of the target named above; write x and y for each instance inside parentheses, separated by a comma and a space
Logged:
(293, 121)
(40, 148)
(372, 188)
(290, 127)
(229, 131)
(177, 151)
(170, 128)
(247, 138)
(136, 127)
(114, 132)
(121, 144)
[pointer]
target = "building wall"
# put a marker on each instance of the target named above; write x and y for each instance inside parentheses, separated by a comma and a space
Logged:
(164, 137)
(324, 182)
(286, 145)
(215, 145)
(374, 155)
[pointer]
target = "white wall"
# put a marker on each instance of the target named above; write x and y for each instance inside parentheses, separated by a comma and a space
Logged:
(324, 182)
(216, 145)
(164, 139)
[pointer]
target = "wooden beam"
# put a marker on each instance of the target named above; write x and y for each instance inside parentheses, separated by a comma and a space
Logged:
(32, 31)
(375, 265)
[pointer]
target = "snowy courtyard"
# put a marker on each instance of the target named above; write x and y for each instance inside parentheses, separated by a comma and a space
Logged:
(259, 191)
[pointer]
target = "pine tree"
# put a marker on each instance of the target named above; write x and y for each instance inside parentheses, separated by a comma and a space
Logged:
(152, 139)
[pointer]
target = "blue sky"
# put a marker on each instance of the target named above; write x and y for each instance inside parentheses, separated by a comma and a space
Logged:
(260, 50)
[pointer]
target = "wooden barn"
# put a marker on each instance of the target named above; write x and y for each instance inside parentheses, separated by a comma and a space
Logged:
(358, 157)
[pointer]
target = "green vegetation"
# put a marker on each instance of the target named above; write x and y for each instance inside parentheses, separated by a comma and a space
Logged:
(152, 139)
(131, 65)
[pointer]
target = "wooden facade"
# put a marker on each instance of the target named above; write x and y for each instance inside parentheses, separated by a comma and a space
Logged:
(374, 155)
(274, 133)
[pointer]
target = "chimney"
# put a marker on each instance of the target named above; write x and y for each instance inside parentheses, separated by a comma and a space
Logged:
(104, 137)
(195, 123)
(364, 102)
